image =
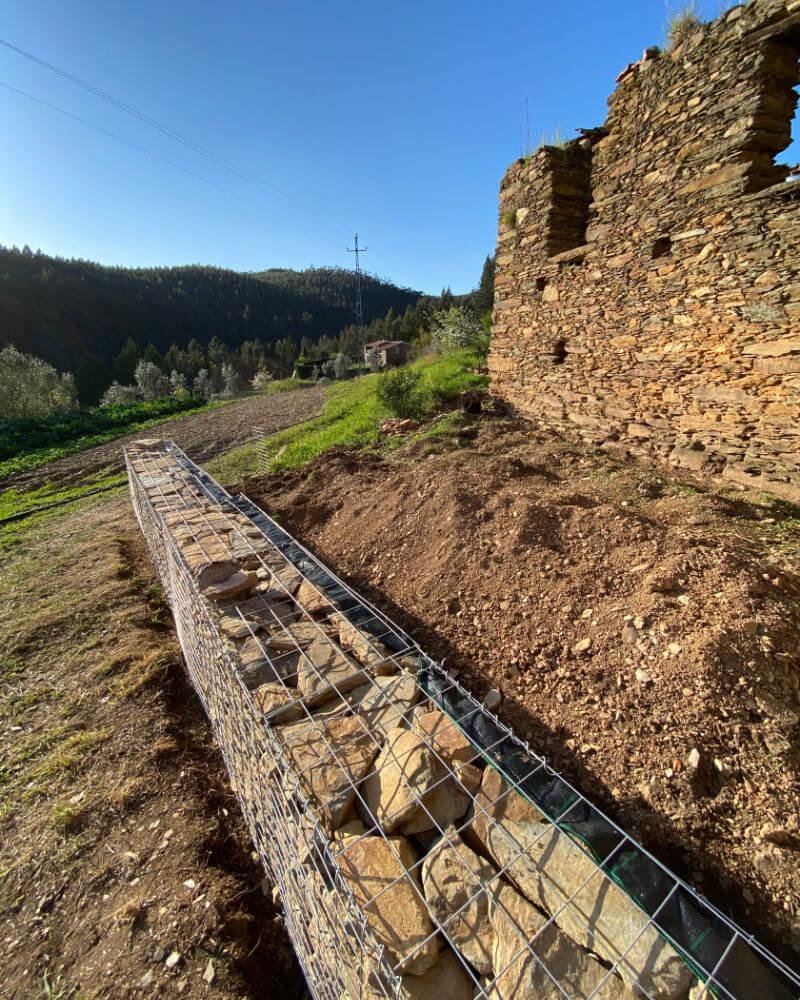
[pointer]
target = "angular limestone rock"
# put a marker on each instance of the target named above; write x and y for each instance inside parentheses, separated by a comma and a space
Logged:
(384, 701)
(406, 775)
(447, 979)
(286, 579)
(445, 737)
(453, 877)
(446, 803)
(525, 951)
(324, 672)
(331, 759)
(311, 600)
(208, 568)
(275, 701)
(497, 802)
(294, 636)
(237, 583)
(548, 867)
(390, 896)
(364, 647)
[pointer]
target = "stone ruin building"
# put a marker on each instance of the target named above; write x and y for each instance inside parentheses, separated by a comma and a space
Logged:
(647, 285)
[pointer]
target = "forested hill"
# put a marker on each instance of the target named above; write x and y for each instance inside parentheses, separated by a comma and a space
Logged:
(78, 315)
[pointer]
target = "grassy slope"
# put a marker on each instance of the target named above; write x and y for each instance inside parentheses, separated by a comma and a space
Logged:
(351, 417)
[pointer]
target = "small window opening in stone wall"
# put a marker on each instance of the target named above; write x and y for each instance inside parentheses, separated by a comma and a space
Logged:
(662, 247)
(790, 157)
(789, 45)
(559, 352)
(541, 284)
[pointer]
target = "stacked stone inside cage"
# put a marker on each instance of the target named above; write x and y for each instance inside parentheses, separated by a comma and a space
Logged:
(408, 864)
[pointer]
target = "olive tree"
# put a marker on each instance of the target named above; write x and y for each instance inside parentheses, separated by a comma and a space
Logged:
(30, 387)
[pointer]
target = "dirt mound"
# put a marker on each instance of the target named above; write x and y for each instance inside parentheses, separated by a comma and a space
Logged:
(643, 631)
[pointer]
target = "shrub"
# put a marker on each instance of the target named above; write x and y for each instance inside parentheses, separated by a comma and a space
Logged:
(30, 387)
(402, 392)
(341, 365)
(230, 381)
(151, 382)
(177, 381)
(682, 25)
(456, 329)
(116, 395)
(328, 370)
(373, 359)
(203, 386)
(262, 380)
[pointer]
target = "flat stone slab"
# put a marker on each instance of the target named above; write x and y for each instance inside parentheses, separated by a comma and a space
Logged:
(383, 702)
(311, 600)
(407, 774)
(447, 979)
(390, 897)
(453, 877)
(549, 868)
(275, 701)
(528, 952)
(237, 583)
(324, 671)
(331, 758)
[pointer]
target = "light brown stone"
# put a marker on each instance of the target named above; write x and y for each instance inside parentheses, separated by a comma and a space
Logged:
(237, 583)
(324, 672)
(297, 635)
(497, 802)
(382, 874)
(407, 775)
(331, 758)
(447, 979)
(550, 868)
(445, 737)
(309, 598)
(276, 701)
(384, 701)
(453, 877)
(528, 951)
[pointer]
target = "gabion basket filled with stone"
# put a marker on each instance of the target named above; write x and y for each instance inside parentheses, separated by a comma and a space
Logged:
(419, 848)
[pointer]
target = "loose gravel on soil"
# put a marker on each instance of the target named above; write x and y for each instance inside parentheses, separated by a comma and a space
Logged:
(643, 631)
(201, 435)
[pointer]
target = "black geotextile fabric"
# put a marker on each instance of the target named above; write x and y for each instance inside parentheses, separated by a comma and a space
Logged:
(697, 933)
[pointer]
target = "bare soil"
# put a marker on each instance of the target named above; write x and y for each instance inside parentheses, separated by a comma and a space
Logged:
(642, 628)
(201, 435)
(125, 868)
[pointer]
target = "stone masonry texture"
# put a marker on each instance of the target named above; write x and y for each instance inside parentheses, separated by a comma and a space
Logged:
(647, 287)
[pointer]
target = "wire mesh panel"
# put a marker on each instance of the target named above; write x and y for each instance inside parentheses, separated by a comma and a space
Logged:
(420, 848)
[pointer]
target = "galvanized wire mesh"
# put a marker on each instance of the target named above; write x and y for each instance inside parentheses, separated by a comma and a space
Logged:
(409, 859)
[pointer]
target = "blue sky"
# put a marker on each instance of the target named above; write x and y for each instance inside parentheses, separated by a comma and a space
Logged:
(396, 120)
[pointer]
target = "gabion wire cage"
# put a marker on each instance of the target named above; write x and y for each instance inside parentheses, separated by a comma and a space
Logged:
(419, 847)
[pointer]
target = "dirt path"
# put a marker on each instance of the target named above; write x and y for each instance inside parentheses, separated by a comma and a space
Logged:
(125, 869)
(643, 630)
(201, 435)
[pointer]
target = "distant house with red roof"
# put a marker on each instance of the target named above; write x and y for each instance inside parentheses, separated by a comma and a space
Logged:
(390, 352)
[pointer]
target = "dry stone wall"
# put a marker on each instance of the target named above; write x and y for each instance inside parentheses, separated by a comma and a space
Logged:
(647, 286)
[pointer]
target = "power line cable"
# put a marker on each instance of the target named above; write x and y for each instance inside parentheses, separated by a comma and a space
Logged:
(147, 119)
(113, 135)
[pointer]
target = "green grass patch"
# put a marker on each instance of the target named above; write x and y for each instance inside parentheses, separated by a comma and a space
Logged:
(16, 533)
(351, 417)
(68, 754)
(286, 385)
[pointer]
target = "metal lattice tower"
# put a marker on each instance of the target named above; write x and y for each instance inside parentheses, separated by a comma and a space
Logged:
(359, 310)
